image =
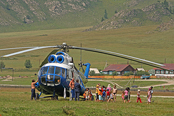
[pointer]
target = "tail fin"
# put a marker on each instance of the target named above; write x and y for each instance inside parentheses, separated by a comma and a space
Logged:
(87, 69)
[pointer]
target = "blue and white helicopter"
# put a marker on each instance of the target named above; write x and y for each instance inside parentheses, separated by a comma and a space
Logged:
(58, 69)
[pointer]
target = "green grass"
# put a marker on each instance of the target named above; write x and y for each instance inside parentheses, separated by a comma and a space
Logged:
(18, 81)
(94, 83)
(133, 41)
(169, 87)
(18, 103)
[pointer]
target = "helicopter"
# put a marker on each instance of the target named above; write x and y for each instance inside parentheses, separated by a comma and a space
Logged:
(58, 68)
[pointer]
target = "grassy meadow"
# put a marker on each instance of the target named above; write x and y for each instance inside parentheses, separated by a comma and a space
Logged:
(16, 102)
(134, 41)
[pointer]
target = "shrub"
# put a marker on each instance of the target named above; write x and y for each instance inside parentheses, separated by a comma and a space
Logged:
(28, 64)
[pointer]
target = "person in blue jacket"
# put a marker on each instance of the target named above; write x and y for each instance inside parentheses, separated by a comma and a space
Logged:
(77, 90)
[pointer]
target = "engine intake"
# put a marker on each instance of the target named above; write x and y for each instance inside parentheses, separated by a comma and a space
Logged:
(51, 58)
(60, 59)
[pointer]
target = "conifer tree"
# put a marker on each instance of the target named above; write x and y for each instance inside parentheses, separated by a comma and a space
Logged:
(28, 64)
(106, 14)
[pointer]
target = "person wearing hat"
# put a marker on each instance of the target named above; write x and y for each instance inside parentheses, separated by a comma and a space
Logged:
(138, 96)
(107, 94)
(97, 89)
(104, 93)
(109, 87)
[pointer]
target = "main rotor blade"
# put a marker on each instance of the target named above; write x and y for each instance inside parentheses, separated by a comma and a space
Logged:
(46, 59)
(16, 48)
(147, 62)
(23, 51)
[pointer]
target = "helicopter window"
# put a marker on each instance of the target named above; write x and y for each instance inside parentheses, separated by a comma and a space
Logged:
(51, 70)
(44, 70)
(63, 72)
(50, 77)
(58, 71)
(43, 81)
(57, 80)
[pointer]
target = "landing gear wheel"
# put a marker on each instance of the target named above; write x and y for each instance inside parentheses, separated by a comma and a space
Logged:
(56, 97)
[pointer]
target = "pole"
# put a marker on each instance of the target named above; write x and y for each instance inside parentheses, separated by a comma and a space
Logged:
(1, 66)
(12, 74)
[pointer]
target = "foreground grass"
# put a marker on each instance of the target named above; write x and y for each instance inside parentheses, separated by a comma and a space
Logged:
(17, 102)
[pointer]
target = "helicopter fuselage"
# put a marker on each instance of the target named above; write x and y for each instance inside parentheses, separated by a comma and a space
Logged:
(54, 76)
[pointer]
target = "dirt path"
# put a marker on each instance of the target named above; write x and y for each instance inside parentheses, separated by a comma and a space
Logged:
(169, 82)
(109, 81)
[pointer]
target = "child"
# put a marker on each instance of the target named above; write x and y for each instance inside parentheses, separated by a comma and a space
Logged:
(90, 95)
(100, 94)
(84, 95)
(149, 96)
(104, 94)
(138, 96)
(126, 95)
(114, 92)
(128, 89)
(87, 94)
(107, 94)
(122, 96)
(111, 97)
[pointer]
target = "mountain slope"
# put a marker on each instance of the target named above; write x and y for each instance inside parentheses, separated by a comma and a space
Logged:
(22, 15)
(152, 14)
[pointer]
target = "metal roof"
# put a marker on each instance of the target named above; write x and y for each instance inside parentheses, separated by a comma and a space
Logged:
(116, 67)
(166, 66)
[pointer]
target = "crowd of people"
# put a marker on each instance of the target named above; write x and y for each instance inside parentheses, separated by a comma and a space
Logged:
(102, 93)
(108, 94)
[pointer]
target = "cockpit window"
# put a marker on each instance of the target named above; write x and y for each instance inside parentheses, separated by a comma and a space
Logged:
(57, 80)
(58, 71)
(51, 70)
(43, 80)
(44, 70)
(51, 75)
(63, 72)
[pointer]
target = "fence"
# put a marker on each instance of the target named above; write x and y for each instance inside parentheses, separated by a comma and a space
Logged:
(119, 77)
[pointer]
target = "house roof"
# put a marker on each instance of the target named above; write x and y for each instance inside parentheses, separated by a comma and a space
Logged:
(116, 67)
(167, 66)
(95, 70)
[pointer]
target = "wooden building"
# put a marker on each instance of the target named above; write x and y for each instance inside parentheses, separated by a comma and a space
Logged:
(121, 69)
(162, 72)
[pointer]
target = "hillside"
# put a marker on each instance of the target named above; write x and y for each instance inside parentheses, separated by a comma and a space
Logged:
(156, 13)
(23, 15)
